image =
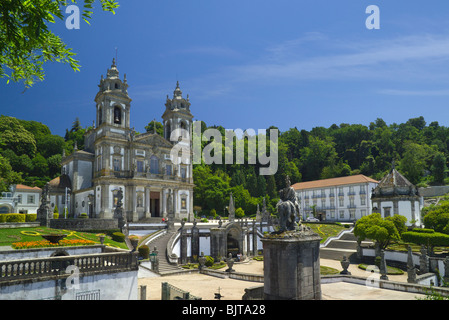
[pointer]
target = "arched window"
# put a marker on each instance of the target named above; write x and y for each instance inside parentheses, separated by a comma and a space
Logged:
(154, 165)
(100, 115)
(117, 115)
(184, 130)
(167, 130)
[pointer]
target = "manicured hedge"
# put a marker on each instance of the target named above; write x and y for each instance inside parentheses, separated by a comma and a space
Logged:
(426, 238)
(30, 217)
(17, 217)
(118, 236)
(144, 251)
(420, 230)
(12, 217)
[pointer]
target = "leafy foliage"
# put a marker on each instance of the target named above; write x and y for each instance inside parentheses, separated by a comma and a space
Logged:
(26, 41)
(382, 230)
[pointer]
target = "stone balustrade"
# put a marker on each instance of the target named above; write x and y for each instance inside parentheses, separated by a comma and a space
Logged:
(41, 268)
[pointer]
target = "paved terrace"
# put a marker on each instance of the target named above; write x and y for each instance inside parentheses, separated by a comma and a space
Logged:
(206, 286)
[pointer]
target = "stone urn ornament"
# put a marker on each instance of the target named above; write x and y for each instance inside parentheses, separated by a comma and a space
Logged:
(102, 237)
(230, 263)
(202, 261)
(345, 265)
(54, 238)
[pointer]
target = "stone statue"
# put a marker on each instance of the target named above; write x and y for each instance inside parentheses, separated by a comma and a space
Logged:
(288, 207)
(119, 213)
(43, 212)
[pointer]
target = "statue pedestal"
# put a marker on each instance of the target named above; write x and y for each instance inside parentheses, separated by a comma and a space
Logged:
(292, 266)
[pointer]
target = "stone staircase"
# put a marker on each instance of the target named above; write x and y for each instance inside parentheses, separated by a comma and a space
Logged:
(346, 245)
(160, 243)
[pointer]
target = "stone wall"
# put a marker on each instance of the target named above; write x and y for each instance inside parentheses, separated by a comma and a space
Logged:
(433, 191)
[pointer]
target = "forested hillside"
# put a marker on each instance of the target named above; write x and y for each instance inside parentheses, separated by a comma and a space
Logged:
(31, 154)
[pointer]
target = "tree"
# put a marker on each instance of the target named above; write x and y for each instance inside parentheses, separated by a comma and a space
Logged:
(271, 187)
(159, 128)
(239, 213)
(374, 227)
(414, 161)
(439, 168)
(7, 175)
(15, 137)
(26, 41)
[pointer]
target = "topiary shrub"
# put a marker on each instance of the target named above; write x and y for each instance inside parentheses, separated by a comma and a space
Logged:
(144, 251)
(83, 216)
(30, 217)
(428, 239)
(15, 217)
(209, 261)
(118, 237)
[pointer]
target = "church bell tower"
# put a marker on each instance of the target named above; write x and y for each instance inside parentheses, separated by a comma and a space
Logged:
(112, 100)
(177, 114)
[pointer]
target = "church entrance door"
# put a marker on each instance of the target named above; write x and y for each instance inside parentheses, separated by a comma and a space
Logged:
(155, 208)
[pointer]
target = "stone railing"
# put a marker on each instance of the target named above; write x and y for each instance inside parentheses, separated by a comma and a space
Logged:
(169, 292)
(41, 268)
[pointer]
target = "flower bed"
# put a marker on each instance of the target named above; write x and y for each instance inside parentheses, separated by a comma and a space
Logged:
(45, 243)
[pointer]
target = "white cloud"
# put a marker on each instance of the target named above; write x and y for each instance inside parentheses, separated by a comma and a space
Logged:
(412, 56)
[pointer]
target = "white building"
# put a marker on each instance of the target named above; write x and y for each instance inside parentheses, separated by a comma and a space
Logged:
(396, 195)
(20, 199)
(337, 199)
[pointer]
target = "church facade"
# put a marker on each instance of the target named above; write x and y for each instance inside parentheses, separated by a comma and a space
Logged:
(142, 165)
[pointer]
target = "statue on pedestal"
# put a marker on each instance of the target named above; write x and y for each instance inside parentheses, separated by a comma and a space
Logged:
(119, 213)
(288, 207)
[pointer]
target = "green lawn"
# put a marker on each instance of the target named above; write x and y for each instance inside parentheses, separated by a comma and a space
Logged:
(326, 230)
(9, 236)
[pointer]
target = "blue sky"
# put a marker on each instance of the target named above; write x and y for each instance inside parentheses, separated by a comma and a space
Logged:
(252, 64)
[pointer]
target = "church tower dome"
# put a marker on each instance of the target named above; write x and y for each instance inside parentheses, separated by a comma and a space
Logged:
(112, 100)
(177, 113)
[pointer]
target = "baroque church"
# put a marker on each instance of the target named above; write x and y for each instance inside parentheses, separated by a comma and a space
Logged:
(115, 158)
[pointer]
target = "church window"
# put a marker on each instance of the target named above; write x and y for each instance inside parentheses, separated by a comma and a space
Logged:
(387, 211)
(117, 164)
(168, 170)
(184, 131)
(117, 86)
(100, 115)
(154, 165)
(183, 172)
(139, 166)
(99, 163)
(19, 198)
(167, 130)
(117, 115)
